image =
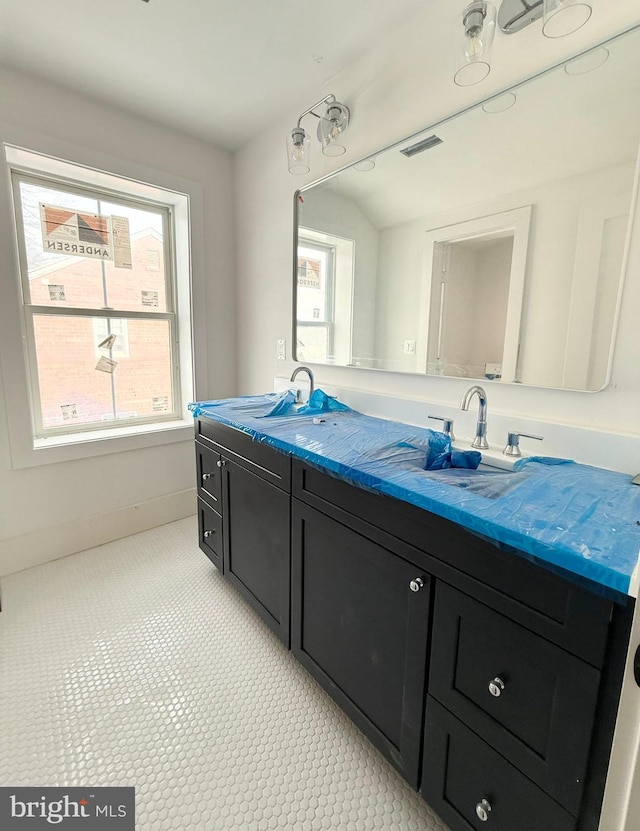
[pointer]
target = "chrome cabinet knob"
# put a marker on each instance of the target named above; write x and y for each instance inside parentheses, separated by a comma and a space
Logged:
(221, 463)
(206, 476)
(416, 584)
(208, 534)
(483, 809)
(496, 687)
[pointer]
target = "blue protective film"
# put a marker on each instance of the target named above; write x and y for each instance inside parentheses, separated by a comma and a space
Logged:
(258, 406)
(466, 458)
(320, 402)
(581, 519)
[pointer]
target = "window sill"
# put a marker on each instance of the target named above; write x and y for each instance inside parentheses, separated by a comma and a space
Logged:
(102, 442)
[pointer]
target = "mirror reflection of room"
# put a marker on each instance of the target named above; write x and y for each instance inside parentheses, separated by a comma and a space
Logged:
(468, 310)
(546, 317)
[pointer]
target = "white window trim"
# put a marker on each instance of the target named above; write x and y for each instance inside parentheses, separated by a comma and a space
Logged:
(186, 197)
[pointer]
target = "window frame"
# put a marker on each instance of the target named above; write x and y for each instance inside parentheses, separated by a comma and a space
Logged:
(124, 335)
(19, 173)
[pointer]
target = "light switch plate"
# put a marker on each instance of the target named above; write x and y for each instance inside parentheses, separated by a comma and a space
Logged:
(281, 349)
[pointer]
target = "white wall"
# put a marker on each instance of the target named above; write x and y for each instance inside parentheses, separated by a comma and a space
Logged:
(399, 87)
(398, 296)
(55, 509)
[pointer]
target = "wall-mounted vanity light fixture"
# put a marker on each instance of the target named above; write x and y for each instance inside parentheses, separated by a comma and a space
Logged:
(333, 122)
(475, 36)
(474, 43)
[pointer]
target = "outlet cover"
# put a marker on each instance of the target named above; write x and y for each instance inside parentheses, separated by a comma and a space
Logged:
(281, 349)
(409, 347)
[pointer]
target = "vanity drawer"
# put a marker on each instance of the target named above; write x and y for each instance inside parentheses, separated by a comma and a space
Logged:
(529, 699)
(210, 533)
(472, 787)
(271, 465)
(209, 476)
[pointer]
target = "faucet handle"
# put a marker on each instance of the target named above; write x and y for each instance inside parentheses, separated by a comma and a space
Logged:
(447, 426)
(513, 443)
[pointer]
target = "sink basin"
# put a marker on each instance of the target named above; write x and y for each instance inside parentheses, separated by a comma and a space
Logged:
(490, 482)
(267, 405)
(491, 458)
(462, 472)
(284, 405)
(409, 455)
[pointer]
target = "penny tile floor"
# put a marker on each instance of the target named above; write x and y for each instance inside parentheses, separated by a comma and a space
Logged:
(135, 663)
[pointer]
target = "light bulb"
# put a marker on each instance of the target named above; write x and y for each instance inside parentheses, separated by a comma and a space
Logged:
(473, 22)
(473, 59)
(475, 46)
(298, 151)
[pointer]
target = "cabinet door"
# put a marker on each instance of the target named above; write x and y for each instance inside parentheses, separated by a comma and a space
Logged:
(361, 631)
(256, 543)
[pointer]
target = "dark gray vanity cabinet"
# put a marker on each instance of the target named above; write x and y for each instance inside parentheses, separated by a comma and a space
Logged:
(360, 620)
(244, 517)
(489, 682)
(521, 671)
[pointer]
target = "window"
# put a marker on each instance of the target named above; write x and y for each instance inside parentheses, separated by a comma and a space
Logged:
(316, 278)
(99, 300)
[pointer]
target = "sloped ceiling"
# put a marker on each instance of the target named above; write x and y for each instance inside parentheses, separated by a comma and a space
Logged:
(218, 69)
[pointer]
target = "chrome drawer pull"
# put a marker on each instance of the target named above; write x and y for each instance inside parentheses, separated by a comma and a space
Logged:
(206, 476)
(483, 809)
(208, 534)
(496, 687)
(221, 463)
(417, 584)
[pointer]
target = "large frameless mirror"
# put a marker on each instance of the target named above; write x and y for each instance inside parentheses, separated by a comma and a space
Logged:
(489, 246)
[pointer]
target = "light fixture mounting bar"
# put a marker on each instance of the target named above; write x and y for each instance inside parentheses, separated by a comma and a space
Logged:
(328, 99)
(515, 15)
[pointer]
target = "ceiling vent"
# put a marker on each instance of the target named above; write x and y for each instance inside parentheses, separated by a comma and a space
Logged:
(425, 144)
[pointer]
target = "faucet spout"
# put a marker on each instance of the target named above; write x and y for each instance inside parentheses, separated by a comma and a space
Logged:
(306, 369)
(480, 440)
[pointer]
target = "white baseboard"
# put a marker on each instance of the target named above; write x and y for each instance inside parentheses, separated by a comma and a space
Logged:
(49, 544)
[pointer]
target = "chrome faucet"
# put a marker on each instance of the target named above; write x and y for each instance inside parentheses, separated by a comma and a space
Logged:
(480, 440)
(306, 369)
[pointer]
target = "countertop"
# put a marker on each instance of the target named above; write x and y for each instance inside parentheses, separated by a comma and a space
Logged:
(582, 520)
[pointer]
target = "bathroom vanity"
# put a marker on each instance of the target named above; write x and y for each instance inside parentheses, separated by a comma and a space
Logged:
(488, 679)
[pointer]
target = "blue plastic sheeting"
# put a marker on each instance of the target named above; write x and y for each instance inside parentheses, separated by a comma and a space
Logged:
(320, 402)
(581, 519)
(258, 406)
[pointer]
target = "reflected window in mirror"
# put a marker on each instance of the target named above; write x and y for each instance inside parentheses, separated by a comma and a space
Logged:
(324, 284)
